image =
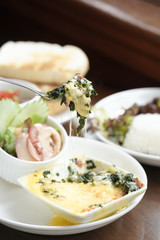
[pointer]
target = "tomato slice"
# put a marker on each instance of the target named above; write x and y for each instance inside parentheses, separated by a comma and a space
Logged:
(44, 142)
(12, 95)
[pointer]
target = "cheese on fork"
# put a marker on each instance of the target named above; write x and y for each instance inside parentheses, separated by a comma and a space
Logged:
(79, 97)
(77, 94)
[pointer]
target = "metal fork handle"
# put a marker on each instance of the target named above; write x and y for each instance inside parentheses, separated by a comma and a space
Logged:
(13, 81)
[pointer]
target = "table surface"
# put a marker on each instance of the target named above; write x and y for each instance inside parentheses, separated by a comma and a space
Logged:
(124, 31)
(143, 222)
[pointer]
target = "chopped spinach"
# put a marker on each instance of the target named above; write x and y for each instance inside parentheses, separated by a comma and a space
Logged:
(80, 83)
(45, 173)
(74, 160)
(96, 205)
(129, 177)
(46, 191)
(117, 179)
(71, 171)
(90, 164)
(126, 181)
(70, 179)
(86, 177)
(57, 94)
(53, 180)
(81, 122)
(130, 187)
(41, 182)
(71, 106)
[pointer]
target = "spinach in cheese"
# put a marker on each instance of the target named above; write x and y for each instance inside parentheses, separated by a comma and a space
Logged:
(84, 188)
(77, 93)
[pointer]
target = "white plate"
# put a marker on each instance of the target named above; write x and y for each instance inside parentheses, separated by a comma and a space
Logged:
(22, 211)
(115, 105)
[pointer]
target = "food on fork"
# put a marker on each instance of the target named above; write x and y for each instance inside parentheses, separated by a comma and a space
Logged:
(77, 93)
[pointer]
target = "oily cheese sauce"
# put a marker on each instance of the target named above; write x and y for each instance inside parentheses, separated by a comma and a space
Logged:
(78, 96)
(59, 221)
(85, 197)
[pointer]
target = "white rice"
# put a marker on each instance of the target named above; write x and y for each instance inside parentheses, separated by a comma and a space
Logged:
(144, 134)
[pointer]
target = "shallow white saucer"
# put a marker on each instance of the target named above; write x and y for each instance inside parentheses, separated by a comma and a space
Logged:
(23, 211)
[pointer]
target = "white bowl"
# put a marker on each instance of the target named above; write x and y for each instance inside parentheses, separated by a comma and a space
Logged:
(25, 94)
(115, 105)
(11, 168)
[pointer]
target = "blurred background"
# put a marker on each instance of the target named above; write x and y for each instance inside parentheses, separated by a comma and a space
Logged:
(120, 37)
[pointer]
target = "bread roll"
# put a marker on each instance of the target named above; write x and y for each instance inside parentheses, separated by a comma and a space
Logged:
(41, 62)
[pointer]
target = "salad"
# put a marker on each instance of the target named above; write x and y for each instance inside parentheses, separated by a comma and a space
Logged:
(10, 94)
(116, 129)
(24, 132)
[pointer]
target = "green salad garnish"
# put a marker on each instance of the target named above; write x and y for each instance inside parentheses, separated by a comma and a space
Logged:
(13, 116)
(116, 129)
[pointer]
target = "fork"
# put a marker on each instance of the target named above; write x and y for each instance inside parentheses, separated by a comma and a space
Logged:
(12, 81)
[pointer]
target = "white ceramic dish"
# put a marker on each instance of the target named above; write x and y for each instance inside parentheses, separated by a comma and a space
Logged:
(115, 105)
(11, 168)
(98, 213)
(25, 94)
(24, 212)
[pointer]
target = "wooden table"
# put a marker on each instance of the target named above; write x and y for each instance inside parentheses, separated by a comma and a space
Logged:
(142, 223)
(120, 37)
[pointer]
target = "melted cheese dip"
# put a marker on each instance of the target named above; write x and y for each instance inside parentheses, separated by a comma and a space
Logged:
(74, 196)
